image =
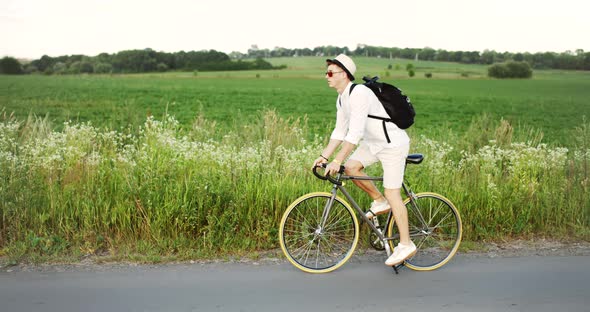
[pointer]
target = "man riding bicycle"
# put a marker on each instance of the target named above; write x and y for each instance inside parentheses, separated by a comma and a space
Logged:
(354, 127)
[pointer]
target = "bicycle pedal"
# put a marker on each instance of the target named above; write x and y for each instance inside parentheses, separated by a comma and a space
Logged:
(397, 267)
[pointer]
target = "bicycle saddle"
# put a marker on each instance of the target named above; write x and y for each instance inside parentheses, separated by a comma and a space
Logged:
(414, 159)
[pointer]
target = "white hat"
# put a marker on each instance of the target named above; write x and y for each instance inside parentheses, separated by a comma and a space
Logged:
(345, 63)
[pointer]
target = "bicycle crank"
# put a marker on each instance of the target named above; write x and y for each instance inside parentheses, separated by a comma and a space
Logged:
(376, 242)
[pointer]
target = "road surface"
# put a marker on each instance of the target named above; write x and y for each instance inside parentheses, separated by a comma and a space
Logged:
(526, 283)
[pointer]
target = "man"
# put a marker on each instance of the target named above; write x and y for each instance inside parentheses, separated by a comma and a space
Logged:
(354, 127)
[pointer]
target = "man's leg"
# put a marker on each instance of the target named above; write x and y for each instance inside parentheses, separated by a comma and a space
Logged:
(355, 168)
(406, 248)
(400, 213)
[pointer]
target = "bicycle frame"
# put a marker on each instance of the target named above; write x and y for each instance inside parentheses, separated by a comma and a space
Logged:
(338, 186)
(353, 203)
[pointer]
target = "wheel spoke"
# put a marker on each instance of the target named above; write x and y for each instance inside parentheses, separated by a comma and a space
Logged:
(312, 248)
(435, 228)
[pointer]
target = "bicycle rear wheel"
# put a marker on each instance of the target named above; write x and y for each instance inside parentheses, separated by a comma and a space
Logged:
(435, 228)
(311, 247)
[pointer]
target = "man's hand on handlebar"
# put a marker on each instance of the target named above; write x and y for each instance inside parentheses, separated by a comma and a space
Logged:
(328, 175)
(332, 168)
(318, 162)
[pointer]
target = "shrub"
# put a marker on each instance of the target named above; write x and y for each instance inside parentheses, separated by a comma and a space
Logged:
(510, 69)
(519, 69)
(74, 68)
(60, 68)
(10, 66)
(86, 67)
(103, 68)
(30, 69)
(409, 67)
(161, 67)
(411, 73)
(428, 75)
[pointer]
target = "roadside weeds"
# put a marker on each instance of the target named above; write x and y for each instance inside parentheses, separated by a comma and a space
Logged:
(513, 248)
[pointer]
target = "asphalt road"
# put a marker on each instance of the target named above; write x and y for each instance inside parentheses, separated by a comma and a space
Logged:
(531, 283)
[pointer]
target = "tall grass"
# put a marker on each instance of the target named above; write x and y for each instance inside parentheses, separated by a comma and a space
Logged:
(511, 187)
(189, 192)
(85, 189)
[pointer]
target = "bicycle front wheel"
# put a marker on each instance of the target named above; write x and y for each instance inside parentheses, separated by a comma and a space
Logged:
(435, 228)
(315, 247)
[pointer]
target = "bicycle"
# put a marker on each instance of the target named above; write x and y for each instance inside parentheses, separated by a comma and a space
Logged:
(319, 231)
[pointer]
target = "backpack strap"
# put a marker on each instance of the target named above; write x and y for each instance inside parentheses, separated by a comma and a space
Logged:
(384, 120)
(380, 118)
(349, 93)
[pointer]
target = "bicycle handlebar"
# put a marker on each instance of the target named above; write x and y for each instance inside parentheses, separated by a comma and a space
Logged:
(315, 172)
(410, 159)
(327, 176)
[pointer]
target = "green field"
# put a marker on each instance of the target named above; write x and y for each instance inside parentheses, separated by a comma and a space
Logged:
(176, 166)
(554, 102)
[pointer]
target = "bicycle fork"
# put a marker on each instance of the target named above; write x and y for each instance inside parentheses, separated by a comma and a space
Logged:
(326, 212)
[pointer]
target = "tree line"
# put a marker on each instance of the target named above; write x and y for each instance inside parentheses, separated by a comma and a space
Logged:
(577, 60)
(148, 60)
(133, 61)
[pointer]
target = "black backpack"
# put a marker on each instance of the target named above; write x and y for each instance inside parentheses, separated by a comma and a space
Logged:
(396, 104)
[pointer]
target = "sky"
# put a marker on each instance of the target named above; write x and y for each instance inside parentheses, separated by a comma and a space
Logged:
(32, 28)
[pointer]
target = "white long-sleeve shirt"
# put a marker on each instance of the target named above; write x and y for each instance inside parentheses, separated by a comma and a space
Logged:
(354, 125)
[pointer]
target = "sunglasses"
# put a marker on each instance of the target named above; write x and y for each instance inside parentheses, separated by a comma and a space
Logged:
(331, 73)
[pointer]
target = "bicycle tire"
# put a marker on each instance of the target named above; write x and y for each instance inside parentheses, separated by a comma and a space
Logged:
(438, 242)
(310, 249)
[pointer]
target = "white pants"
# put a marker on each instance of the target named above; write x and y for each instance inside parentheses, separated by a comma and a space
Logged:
(393, 161)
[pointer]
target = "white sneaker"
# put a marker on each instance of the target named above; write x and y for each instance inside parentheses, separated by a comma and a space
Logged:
(400, 254)
(377, 208)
